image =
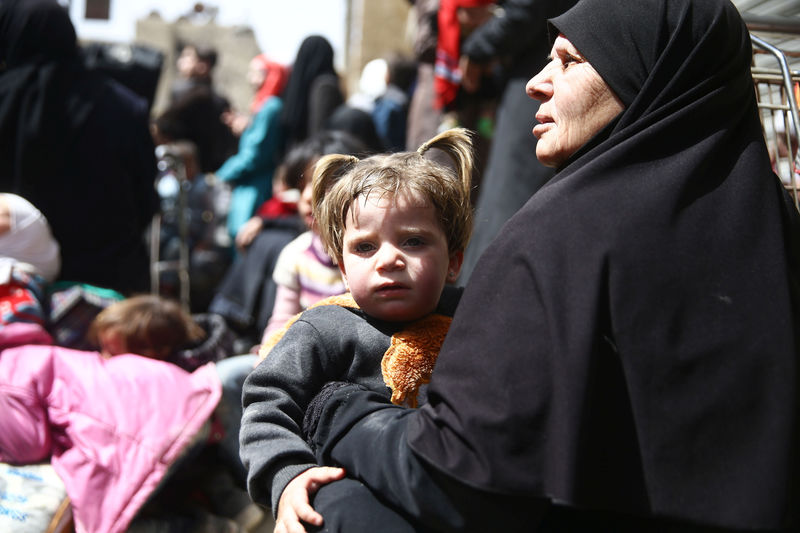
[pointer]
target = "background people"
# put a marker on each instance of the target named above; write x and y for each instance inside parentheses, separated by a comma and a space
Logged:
(518, 40)
(624, 357)
(77, 146)
(250, 170)
(312, 92)
(197, 111)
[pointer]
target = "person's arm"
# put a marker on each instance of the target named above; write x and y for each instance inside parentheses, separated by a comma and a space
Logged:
(350, 416)
(274, 397)
(24, 432)
(257, 145)
(25, 435)
(248, 232)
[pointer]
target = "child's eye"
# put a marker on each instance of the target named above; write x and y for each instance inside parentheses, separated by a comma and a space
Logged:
(363, 247)
(414, 241)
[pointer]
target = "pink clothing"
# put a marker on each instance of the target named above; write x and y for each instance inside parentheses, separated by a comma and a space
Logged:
(112, 427)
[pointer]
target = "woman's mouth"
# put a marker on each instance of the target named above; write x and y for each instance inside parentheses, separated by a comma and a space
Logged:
(542, 128)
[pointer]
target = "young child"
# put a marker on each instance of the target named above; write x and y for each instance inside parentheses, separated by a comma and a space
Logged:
(113, 428)
(158, 328)
(304, 272)
(397, 226)
(147, 325)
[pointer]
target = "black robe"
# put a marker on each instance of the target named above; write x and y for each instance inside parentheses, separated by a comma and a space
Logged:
(76, 145)
(628, 345)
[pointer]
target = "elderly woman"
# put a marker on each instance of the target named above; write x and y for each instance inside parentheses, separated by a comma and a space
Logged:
(625, 356)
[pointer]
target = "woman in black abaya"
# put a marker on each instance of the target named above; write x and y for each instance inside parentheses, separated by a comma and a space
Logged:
(625, 355)
(77, 145)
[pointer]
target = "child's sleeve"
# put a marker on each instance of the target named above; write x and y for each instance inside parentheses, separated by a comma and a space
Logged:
(275, 397)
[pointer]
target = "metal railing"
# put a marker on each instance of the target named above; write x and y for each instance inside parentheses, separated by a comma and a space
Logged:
(777, 89)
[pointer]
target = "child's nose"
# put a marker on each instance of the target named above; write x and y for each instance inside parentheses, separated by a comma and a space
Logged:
(389, 258)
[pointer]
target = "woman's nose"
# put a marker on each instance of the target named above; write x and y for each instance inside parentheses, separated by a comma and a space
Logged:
(540, 87)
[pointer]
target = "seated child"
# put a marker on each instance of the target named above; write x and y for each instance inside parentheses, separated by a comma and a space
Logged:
(158, 328)
(304, 273)
(100, 421)
(397, 226)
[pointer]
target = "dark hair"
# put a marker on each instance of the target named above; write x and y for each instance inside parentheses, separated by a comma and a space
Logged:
(402, 71)
(358, 123)
(327, 142)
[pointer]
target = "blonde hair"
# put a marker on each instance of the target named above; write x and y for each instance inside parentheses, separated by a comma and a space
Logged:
(340, 179)
(148, 325)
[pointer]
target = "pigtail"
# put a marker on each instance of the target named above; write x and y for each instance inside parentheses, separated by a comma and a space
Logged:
(329, 221)
(457, 144)
(327, 171)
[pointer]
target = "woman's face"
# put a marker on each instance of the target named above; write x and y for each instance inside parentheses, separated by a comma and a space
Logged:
(576, 103)
(256, 74)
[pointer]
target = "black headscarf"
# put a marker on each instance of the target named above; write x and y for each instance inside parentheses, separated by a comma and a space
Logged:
(629, 342)
(314, 58)
(39, 70)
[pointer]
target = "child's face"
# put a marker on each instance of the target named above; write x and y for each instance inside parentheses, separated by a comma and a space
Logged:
(304, 208)
(395, 256)
(111, 342)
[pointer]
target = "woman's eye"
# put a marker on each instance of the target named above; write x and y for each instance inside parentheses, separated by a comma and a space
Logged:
(569, 60)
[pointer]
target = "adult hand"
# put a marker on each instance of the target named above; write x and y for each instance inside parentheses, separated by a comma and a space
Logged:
(294, 507)
(237, 122)
(248, 232)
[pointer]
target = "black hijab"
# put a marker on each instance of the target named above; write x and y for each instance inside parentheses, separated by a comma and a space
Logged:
(42, 99)
(629, 342)
(314, 58)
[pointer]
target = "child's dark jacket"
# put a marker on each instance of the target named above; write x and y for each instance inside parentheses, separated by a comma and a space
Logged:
(326, 343)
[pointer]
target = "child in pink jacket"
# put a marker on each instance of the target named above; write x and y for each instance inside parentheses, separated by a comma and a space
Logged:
(102, 421)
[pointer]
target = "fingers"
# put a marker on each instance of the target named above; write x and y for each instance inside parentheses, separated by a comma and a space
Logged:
(294, 506)
(323, 475)
(289, 527)
(306, 513)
